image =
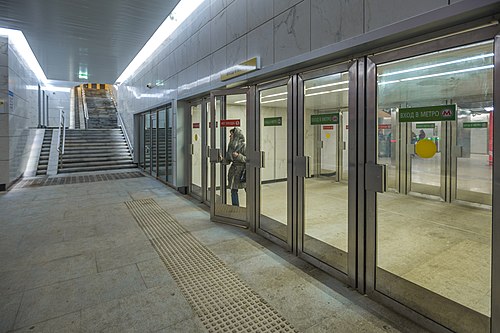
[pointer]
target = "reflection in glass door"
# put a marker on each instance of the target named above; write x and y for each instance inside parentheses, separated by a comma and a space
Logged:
(162, 155)
(435, 256)
(229, 157)
(154, 144)
(147, 142)
(196, 151)
(325, 217)
(273, 128)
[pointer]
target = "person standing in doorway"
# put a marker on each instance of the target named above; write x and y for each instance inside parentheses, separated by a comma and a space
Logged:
(421, 134)
(236, 156)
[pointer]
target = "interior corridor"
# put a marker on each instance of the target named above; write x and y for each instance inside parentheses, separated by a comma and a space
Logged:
(74, 259)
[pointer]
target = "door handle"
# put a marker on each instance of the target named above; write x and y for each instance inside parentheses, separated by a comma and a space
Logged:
(192, 149)
(376, 177)
(303, 165)
(262, 159)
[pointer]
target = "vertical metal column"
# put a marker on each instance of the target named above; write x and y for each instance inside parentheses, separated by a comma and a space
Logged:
(39, 106)
(495, 251)
(47, 114)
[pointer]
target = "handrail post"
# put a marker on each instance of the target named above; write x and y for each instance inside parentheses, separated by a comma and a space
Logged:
(62, 128)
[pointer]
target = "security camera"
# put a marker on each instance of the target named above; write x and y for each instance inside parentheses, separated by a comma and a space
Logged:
(150, 85)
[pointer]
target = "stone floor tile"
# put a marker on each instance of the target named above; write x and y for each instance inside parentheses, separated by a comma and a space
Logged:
(9, 305)
(124, 255)
(193, 325)
(69, 323)
(147, 311)
(155, 273)
(69, 296)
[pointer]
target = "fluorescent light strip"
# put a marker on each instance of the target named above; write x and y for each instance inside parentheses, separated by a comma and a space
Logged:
(439, 74)
(327, 92)
(273, 95)
(482, 56)
(328, 85)
(242, 101)
(180, 13)
(22, 47)
(274, 100)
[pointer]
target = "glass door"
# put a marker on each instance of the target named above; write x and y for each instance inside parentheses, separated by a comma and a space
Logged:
(147, 142)
(154, 144)
(323, 183)
(228, 156)
(432, 256)
(206, 149)
(196, 151)
(162, 155)
(274, 216)
(169, 144)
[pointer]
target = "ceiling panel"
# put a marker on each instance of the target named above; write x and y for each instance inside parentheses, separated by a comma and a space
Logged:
(101, 36)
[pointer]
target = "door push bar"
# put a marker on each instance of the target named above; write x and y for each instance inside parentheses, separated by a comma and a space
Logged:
(376, 177)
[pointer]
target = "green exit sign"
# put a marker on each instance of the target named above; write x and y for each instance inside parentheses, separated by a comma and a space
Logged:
(476, 124)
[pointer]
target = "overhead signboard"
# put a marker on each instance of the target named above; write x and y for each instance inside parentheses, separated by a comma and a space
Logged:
(325, 119)
(426, 125)
(477, 124)
(428, 113)
(229, 123)
(273, 121)
(242, 68)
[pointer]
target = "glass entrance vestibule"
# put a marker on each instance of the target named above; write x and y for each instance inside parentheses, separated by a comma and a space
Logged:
(379, 171)
(155, 142)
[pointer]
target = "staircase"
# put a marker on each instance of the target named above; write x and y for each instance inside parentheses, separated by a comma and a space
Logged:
(101, 109)
(43, 161)
(95, 150)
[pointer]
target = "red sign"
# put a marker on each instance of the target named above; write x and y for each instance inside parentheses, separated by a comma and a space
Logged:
(229, 122)
(384, 126)
(490, 141)
(196, 125)
(328, 127)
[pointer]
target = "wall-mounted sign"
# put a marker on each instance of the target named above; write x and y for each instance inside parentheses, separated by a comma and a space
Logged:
(384, 126)
(229, 122)
(240, 69)
(428, 113)
(324, 119)
(477, 124)
(196, 125)
(328, 127)
(274, 121)
(424, 125)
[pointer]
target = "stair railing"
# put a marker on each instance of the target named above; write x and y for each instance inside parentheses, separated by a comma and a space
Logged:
(85, 109)
(124, 130)
(62, 129)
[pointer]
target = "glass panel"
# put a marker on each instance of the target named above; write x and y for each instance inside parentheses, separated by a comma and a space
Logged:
(273, 142)
(325, 197)
(475, 155)
(196, 142)
(154, 143)
(208, 144)
(162, 172)
(147, 142)
(443, 250)
(141, 141)
(231, 129)
(169, 143)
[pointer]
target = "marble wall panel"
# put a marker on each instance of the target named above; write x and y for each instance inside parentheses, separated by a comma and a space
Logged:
(203, 71)
(188, 79)
(200, 17)
(236, 52)
(218, 29)
(260, 42)
(258, 12)
(334, 21)
(4, 51)
(218, 63)
(292, 32)
(236, 20)
(4, 172)
(282, 5)
(216, 6)
(203, 42)
(376, 11)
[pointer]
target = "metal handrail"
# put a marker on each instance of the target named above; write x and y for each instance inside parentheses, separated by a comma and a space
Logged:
(85, 109)
(62, 128)
(124, 130)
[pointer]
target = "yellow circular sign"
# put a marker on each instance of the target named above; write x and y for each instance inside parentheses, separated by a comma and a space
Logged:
(196, 137)
(425, 148)
(328, 135)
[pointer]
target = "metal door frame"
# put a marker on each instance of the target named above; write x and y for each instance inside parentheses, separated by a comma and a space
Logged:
(204, 149)
(257, 153)
(300, 167)
(249, 92)
(454, 40)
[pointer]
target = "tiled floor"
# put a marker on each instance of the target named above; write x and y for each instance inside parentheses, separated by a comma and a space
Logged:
(73, 259)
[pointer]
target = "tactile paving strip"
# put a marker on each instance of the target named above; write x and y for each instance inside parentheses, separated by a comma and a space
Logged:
(223, 302)
(76, 179)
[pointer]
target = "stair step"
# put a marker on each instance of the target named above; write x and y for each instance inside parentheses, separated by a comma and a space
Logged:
(97, 159)
(98, 168)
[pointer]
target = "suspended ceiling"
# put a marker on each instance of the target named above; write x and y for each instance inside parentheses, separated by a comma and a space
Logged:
(101, 37)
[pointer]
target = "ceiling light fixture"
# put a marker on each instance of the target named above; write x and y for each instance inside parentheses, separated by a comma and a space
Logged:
(274, 100)
(326, 92)
(180, 13)
(327, 85)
